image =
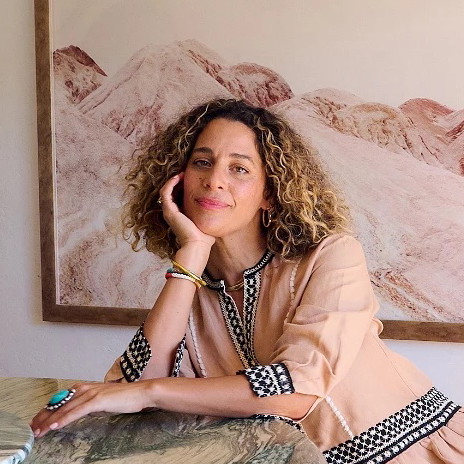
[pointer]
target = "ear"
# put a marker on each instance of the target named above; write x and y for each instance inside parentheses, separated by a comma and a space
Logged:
(267, 201)
(266, 204)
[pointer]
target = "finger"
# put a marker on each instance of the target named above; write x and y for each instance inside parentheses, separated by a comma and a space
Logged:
(44, 420)
(68, 413)
(85, 405)
(169, 185)
(99, 398)
(167, 189)
(44, 414)
(39, 419)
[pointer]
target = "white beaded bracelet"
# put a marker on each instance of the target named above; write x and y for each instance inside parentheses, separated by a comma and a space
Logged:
(178, 275)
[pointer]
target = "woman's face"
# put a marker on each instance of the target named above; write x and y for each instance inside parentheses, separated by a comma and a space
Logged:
(224, 181)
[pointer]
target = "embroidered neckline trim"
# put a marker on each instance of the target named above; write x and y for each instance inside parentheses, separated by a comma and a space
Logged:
(219, 284)
(241, 329)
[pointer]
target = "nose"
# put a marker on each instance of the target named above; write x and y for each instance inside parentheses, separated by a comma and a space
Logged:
(214, 179)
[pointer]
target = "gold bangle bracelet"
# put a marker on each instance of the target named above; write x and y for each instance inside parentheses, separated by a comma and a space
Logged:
(179, 275)
(187, 272)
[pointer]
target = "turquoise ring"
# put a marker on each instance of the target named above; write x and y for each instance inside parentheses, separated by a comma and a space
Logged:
(60, 398)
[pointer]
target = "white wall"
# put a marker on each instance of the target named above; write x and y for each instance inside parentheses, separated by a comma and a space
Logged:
(30, 347)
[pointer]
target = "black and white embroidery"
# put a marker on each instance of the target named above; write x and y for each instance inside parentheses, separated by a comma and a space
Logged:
(242, 331)
(134, 360)
(270, 380)
(235, 327)
(178, 358)
(387, 439)
(250, 302)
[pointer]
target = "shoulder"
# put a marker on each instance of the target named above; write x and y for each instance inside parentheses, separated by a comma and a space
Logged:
(334, 253)
(340, 243)
(338, 259)
(338, 249)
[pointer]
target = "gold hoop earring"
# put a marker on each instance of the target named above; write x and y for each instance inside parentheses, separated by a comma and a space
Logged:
(266, 217)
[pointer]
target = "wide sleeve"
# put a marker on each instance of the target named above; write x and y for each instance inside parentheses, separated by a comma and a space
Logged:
(323, 334)
(130, 366)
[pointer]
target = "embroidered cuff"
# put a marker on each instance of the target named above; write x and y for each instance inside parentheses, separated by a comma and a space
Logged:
(178, 358)
(134, 360)
(273, 379)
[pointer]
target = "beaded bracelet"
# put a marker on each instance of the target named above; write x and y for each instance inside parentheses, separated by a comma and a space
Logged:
(172, 273)
(189, 273)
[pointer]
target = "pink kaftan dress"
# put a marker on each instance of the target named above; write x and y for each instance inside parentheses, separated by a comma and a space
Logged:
(309, 326)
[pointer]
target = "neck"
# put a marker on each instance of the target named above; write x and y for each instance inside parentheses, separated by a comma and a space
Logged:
(228, 260)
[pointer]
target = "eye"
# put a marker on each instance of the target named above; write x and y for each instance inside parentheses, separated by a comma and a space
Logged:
(240, 169)
(202, 163)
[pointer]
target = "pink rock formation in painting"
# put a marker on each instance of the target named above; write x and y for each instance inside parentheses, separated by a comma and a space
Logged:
(408, 215)
(456, 135)
(441, 130)
(256, 84)
(96, 267)
(158, 83)
(383, 125)
(425, 129)
(400, 170)
(76, 73)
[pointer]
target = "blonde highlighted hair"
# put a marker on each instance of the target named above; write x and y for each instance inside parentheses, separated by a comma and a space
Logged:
(305, 207)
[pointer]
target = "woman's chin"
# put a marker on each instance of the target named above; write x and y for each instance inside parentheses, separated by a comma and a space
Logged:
(216, 232)
(216, 229)
(220, 227)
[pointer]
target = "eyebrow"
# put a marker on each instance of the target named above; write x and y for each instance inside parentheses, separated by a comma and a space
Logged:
(208, 151)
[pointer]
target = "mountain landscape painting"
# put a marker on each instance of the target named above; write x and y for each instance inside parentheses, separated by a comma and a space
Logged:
(401, 170)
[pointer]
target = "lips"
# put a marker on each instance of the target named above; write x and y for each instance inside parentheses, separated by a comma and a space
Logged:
(211, 203)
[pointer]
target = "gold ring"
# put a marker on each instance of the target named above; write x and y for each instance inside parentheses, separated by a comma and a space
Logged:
(159, 200)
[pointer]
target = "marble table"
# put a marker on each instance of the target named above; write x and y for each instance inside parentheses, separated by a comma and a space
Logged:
(16, 439)
(154, 437)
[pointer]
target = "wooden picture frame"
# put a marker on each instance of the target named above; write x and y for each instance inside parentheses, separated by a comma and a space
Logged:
(52, 311)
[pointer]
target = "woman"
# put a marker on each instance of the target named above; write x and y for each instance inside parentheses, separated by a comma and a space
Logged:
(267, 309)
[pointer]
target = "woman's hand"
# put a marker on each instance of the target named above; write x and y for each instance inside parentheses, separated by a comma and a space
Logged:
(95, 397)
(185, 230)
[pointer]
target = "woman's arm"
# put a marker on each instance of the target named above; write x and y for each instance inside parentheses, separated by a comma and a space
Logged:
(166, 323)
(229, 396)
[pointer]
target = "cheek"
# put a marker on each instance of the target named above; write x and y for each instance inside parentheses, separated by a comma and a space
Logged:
(187, 182)
(259, 191)
(190, 184)
(251, 195)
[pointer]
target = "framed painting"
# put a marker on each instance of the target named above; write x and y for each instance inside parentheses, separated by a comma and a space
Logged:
(108, 80)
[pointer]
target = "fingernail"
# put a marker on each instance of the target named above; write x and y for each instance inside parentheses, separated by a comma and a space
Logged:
(36, 432)
(54, 426)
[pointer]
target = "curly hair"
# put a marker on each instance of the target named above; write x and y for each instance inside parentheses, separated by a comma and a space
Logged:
(305, 207)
